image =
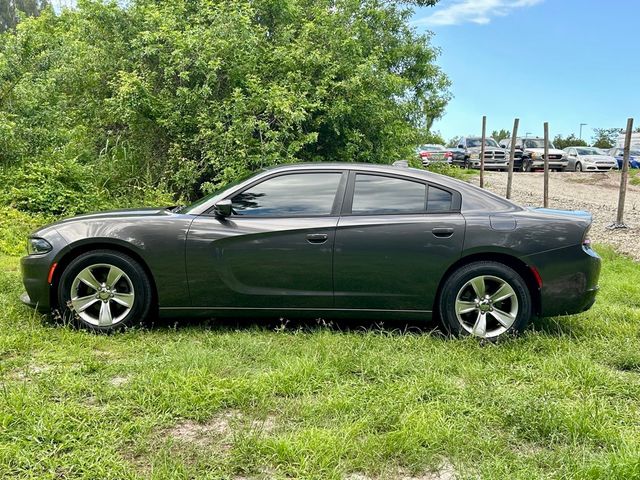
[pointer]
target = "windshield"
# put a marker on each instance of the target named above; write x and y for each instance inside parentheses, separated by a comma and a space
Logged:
(476, 142)
(589, 151)
(217, 191)
(535, 143)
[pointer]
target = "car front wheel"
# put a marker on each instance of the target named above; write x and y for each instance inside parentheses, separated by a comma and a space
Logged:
(104, 290)
(485, 299)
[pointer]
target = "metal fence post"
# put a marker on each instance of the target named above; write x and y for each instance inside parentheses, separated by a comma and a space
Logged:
(484, 137)
(546, 165)
(514, 135)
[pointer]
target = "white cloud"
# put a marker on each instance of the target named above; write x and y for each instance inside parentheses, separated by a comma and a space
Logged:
(472, 11)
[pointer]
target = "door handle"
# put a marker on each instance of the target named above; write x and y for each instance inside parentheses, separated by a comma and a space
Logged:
(442, 232)
(317, 237)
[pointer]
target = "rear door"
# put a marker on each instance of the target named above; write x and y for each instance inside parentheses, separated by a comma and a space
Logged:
(275, 250)
(395, 239)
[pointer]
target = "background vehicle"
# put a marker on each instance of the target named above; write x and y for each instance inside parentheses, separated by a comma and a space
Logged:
(434, 153)
(582, 159)
(328, 240)
(532, 151)
(634, 156)
(467, 154)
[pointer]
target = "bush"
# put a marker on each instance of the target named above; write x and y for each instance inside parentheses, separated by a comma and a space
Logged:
(58, 187)
(15, 226)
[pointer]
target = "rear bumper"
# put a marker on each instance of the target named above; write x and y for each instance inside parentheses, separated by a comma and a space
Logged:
(569, 280)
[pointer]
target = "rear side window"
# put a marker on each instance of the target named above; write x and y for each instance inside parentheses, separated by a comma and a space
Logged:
(298, 194)
(438, 200)
(375, 194)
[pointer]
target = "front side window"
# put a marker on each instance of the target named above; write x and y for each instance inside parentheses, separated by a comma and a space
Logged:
(375, 194)
(297, 194)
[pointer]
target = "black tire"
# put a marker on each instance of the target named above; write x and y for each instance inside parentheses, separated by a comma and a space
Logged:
(460, 278)
(135, 278)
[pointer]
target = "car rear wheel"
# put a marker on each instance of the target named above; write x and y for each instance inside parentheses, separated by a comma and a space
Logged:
(104, 291)
(486, 300)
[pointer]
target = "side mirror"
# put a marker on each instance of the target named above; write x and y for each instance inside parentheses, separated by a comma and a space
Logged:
(223, 208)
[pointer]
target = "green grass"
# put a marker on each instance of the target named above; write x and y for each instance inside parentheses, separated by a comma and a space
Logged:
(315, 401)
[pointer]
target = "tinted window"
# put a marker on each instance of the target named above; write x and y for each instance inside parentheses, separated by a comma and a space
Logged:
(376, 194)
(289, 195)
(439, 200)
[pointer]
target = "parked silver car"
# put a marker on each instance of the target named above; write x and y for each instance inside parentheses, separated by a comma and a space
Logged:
(590, 159)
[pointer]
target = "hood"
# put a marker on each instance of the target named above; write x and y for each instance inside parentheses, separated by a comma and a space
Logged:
(112, 214)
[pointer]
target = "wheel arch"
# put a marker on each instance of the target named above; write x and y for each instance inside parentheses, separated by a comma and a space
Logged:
(512, 261)
(79, 248)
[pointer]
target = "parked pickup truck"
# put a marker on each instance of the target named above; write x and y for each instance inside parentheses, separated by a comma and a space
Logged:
(467, 154)
(531, 151)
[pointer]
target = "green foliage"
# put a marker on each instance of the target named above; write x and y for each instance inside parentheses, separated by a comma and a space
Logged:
(443, 168)
(11, 10)
(569, 141)
(428, 137)
(607, 137)
(186, 95)
(451, 170)
(501, 134)
(15, 226)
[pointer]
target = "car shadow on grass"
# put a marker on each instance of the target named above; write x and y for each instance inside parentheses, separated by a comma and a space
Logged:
(550, 326)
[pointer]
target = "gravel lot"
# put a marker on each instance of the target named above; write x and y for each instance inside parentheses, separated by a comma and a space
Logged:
(593, 192)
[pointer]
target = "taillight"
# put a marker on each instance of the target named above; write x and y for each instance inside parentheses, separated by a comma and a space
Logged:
(586, 241)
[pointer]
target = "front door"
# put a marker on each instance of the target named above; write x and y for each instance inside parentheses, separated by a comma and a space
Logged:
(274, 251)
(394, 241)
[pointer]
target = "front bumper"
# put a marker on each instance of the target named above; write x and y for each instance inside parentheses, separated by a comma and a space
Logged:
(555, 164)
(35, 272)
(569, 279)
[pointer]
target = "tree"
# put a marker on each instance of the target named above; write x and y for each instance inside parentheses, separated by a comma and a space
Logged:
(498, 135)
(607, 137)
(434, 138)
(10, 11)
(569, 141)
(190, 94)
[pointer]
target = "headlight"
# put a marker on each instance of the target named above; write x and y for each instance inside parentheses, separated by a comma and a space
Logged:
(38, 246)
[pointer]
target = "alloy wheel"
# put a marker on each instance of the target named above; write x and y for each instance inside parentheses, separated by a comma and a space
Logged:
(486, 306)
(102, 294)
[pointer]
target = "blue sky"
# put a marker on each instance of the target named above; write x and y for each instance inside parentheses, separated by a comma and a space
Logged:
(562, 61)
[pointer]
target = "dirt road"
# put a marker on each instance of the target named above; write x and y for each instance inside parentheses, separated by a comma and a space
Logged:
(594, 192)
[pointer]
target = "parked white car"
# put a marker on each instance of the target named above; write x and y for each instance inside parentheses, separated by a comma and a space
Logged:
(589, 159)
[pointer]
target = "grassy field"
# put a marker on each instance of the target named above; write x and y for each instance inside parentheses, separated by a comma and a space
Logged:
(240, 401)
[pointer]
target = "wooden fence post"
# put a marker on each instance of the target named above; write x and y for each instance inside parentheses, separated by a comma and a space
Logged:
(484, 137)
(514, 135)
(546, 165)
(624, 177)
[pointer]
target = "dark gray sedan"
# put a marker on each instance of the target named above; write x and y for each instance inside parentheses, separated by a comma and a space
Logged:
(321, 240)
